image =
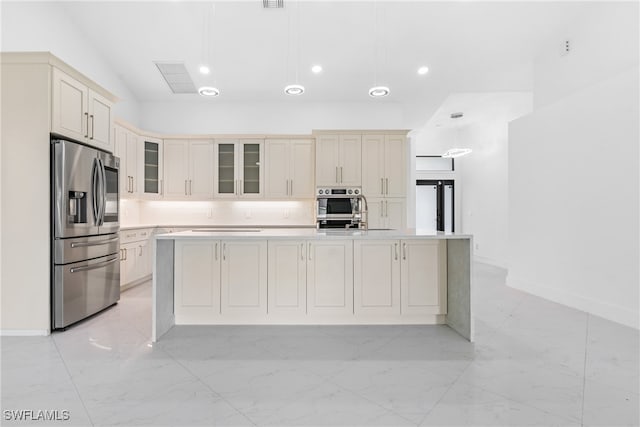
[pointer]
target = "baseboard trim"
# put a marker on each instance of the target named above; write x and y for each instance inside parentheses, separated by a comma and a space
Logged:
(608, 311)
(490, 261)
(24, 332)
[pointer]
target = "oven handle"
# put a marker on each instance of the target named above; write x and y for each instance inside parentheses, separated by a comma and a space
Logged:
(94, 266)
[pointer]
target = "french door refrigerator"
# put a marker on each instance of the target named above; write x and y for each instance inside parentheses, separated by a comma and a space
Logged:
(85, 267)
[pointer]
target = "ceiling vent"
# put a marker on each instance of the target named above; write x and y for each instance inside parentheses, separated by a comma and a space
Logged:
(456, 115)
(273, 4)
(177, 77)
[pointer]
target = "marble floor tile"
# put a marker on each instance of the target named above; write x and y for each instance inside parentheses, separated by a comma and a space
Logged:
(609, 406)
(467, 405)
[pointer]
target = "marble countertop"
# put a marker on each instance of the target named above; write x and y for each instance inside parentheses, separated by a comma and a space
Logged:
(217, 227)
(228, 233)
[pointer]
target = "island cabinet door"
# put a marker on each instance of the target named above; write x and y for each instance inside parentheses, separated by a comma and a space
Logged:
(244, 279)
(423, 277)
(287, 287)
(376, 277)
(197, 282)
(330, 277)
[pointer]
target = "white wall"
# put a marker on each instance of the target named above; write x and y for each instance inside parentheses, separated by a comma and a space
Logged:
(211, 116)
(573, 199)
(43, 26)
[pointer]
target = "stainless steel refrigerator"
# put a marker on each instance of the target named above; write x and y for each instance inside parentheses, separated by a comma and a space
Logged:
(85, 243)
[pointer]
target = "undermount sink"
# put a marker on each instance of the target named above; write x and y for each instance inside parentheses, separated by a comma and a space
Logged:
(227, 230)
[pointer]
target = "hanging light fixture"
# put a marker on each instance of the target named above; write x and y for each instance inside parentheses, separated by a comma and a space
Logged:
(205, 69)
(457, 152)
(296, 88)
(376, 91)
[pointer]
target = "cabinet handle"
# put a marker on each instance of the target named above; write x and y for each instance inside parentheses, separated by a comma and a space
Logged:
(386, 180)
(125, 253)
(386, 209)
(396, 250)
(160, 192)
(341, 179)
(140, 253)
(185, 187)
(190, 192)
(235, 187)
(291, 184)
(216, 251)
(86, 115)
(301, 251)
(224, 251)
(337, 175)
(309, 254)
(404, 251)
(382, 209)
(381, 185)
(93, 126)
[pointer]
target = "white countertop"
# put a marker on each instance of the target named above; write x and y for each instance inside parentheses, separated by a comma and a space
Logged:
(306, 233)
(191, 226)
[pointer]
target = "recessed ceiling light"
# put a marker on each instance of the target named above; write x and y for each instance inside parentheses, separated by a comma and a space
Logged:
(208, 91)
(379, 91)
(294, 90)
(423, 70)
(204, 69)
(316, 69)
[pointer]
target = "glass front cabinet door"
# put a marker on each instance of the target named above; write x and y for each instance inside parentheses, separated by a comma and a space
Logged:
(151, 167)
(239, 168)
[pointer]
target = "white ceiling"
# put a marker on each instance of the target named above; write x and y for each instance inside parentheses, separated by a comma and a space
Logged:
(468, 46)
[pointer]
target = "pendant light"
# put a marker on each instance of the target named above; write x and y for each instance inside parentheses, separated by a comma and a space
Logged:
(296, 88)
(205, 68)
(376, 91)
(457, 152)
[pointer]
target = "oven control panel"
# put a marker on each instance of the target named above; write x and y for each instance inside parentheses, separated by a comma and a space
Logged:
(338, 192)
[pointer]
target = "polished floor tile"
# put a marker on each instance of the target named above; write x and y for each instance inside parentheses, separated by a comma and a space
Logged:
(534, 363)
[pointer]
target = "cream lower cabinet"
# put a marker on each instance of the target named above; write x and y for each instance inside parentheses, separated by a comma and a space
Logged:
(423, 277)
(287, 285)
(386, 213)
(330, 277)
(243, 278)
(197, 281)
(135, 257)
(376, 277)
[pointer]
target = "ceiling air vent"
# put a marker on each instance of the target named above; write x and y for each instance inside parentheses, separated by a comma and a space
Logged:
(456, 115)
(273, 4)
(177, 77)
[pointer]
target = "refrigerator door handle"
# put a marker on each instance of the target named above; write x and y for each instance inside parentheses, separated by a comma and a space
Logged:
(103, 189)
(94, 266)
(95, 178)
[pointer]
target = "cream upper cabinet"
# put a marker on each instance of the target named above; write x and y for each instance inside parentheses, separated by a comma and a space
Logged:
(287, 278)
(188, 169)
(338, 160)
(127, 149)
(383, 165)
(386, 213)
(80, 113)
(376, 277)
(151, 167)
(423, 277)
(244, 277)
(240, 172)
(289, 169)
(197, 281)
(330, 277)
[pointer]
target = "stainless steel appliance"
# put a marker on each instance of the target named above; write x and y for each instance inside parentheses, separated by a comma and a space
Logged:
(85, 267)
(341, 208)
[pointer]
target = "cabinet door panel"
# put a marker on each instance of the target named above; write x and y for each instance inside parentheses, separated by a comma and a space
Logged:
(302, 170)
(327, 160)
(373, 184)
(176, 165)
(201, 169)
(226, 163)
(251, 179)
(351, 160)
(151, 172)
(423, 277)
(287, 282)
(69, 110)
(330, 278)
(277, 169)
(395, 166)
(374, 216)
(244, 277)
(394, 211)
(120, 150)
(197, 282)
(100, 121)
(132, 162)
(377, 277)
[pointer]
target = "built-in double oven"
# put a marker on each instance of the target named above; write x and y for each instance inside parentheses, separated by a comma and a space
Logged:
(340, 208)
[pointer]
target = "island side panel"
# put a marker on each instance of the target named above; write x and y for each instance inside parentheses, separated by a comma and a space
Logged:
(459, 277)
(163, 276)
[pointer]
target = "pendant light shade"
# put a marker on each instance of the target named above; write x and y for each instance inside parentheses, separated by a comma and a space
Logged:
(294, 90)
(378, 91)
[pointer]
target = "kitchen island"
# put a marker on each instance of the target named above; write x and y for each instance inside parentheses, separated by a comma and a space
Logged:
(211, 276)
